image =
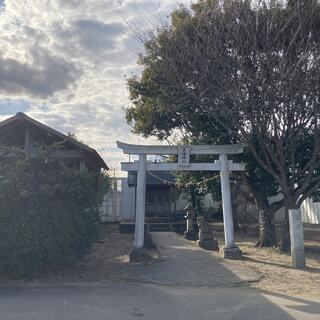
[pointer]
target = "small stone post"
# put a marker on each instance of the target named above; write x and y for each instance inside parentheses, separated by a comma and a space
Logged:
(189, 233)
(206, 237)
(296, 238)
(230, 250)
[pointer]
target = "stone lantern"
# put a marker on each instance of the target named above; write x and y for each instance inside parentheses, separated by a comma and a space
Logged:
(189, 233)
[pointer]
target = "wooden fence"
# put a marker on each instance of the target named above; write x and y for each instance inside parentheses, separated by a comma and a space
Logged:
(310, 211)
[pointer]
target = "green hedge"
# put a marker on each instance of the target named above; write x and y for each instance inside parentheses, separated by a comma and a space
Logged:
(48, 213)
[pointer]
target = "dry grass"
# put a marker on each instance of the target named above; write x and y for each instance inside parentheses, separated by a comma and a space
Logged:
(275, 266)
(108, 259)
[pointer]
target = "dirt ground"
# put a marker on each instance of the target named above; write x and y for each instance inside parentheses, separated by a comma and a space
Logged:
(108, 261)
(275, 266)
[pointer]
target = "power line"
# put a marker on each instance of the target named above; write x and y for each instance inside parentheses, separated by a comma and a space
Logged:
(217, 176)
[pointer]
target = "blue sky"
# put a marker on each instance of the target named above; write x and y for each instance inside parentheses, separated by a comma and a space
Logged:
(10, 107)
(65, 63)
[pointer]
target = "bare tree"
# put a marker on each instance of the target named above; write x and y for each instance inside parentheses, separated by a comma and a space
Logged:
(268, 92)
(240, 71)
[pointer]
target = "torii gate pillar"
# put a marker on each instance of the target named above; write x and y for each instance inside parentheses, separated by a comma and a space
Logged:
(230, 250)
(139, 253)
(141, 200)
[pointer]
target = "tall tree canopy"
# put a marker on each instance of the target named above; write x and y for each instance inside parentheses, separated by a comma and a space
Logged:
(230, 71)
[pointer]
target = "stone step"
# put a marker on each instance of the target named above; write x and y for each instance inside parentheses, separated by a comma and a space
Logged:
(160, 227)
(157, 220)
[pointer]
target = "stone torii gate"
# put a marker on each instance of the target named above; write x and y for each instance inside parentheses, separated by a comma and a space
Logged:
(230, 250)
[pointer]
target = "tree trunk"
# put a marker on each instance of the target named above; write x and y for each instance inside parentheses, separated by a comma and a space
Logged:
(267, 232)
(236, 227)
(285, 236)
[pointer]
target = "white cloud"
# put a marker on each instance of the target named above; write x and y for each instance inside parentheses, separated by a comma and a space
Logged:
(69, 60)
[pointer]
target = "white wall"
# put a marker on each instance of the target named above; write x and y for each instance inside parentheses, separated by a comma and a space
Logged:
(310, 211)
(110, 208)
(128, 203)
(119, 203)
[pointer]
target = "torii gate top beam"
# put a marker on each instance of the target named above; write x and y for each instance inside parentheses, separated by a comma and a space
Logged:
(194, 149)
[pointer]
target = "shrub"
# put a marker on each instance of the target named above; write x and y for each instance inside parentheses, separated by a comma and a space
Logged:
(48, 213)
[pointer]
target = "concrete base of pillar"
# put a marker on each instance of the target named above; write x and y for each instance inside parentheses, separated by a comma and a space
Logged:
(298, 259)
(139, 255)
(190, 235)
(208, 244)
(231, 253)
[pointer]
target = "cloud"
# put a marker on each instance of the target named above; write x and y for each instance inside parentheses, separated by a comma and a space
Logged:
(95, 35)
(90, 39)
(41, 79)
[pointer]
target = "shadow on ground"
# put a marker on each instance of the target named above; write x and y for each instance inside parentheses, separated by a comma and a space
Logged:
(185, 264)
(304, 305)
(189, 283)
(127, 301)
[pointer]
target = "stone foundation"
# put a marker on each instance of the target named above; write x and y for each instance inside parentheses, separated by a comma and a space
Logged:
(141, 255)
(190, 235)
(231, 253)
(211, 244)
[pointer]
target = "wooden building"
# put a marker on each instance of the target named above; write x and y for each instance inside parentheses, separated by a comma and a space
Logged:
(160, 195)
(24, 132)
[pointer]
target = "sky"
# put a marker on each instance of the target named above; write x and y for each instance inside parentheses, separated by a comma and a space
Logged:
(66, 63)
